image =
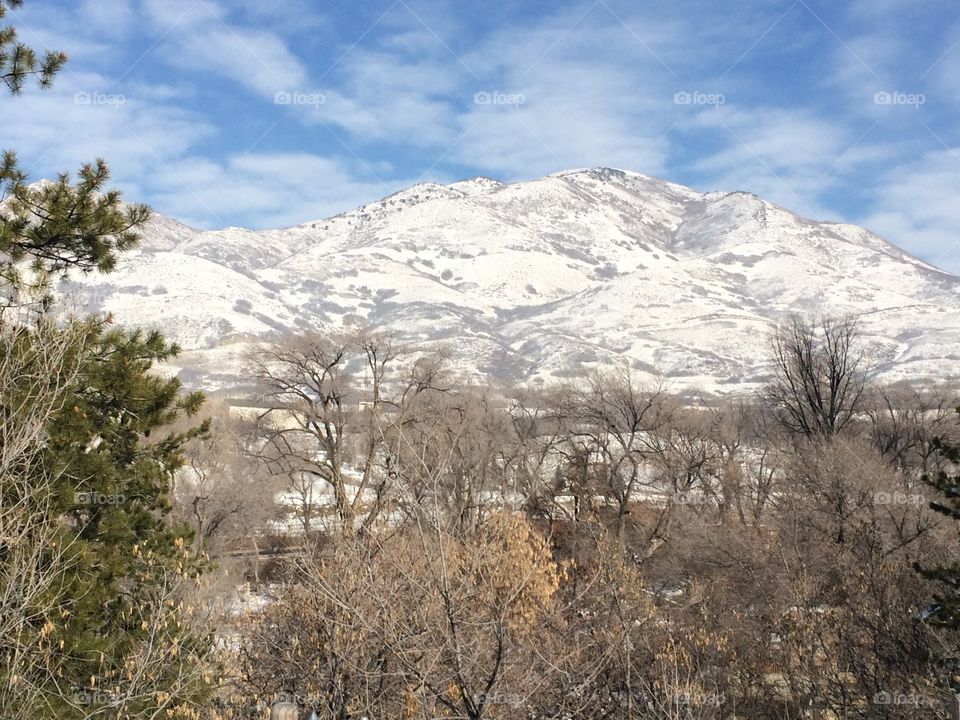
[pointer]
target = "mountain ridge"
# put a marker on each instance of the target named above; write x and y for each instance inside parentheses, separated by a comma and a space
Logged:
(540, 279)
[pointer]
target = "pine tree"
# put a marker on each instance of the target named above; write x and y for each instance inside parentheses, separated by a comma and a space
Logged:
(946, 608)
(52, 228)
(19, 62)
(944, 611)
(49, 229)
(115, 466)
(108, 633)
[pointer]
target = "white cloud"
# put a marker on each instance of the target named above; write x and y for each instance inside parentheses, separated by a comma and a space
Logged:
(114, 19)
(258, 60)
(943, 72)
(150, 146)
(83, 118)
(790, 157)
(916, 208)
(199, 37)
(170, 16)
(294, 16)
(266, 190)
(593, 93)
(43, 28)
(383, 96)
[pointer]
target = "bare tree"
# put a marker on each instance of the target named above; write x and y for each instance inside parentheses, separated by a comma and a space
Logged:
(820, 376)
(421, 622)
(904, 423)
(223, 492)
(333, 409)
(454, 451)
(323, 422)
(37, 364)
(612, 431)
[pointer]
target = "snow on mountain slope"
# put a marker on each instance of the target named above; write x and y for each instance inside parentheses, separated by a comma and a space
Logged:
(541, 279)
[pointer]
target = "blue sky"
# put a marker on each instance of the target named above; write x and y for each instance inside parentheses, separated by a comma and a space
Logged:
(267, 114)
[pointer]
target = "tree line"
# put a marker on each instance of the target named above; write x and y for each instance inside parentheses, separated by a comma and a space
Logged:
(599, 547)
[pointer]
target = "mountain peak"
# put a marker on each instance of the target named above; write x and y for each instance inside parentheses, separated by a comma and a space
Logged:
(599, 173)
(476, 185)
(541, 279)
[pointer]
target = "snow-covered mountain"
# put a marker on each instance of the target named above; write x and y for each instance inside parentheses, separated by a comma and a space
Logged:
(541, 279)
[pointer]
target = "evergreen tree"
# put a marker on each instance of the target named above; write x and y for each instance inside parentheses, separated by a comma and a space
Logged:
(52, 228)
(108, 633)
(946, 608)
(19, 62)
(115, 463)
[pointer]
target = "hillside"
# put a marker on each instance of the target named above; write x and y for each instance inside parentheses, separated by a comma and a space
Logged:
(541, 279)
